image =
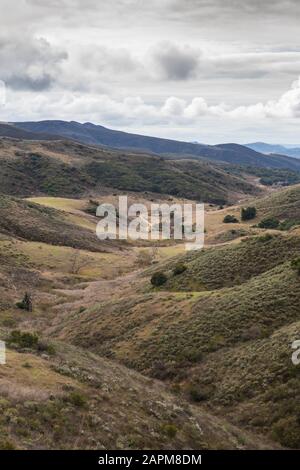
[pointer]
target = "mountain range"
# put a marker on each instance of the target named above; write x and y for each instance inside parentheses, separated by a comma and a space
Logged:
(92, 134)
(262, 147)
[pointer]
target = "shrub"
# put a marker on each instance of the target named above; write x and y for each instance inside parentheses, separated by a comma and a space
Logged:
(23, 340)
(270, 222)
(158, 279)
(179, 269)
(197, 395)
(296, 265)
(26, 303)
(248, 213)
(170, 430)
(230, 219)
(287, 432)
(77, 399)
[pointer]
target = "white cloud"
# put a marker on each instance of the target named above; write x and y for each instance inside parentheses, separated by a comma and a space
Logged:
(133, 109)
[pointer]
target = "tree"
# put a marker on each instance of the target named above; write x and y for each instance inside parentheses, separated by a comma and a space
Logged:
(26, 303)
(248, 213)
(158, 279)
(78, 262)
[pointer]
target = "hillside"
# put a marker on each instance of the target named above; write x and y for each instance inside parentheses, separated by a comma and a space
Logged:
(34, 222)
(284, 204)
(71, 169)
(92, 134)
(196, 338)
(74, 399)
(13, 132)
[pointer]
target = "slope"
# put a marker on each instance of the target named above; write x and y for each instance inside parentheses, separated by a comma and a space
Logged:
(89, 133)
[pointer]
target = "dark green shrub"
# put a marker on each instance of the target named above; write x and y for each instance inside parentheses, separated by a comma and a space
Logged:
(158, 279)
(296, 265)
(196, 394)
(23, 340)
(26, 303)
(179, 269)
(248, 213)
(230, 219)
(270, 222)
(77, 399)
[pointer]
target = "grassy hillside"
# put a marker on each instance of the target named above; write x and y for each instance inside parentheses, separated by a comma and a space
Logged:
(73, 399)
(230, 265)
(284, 204)
(253, 296)
(37, 223)
(70, 169)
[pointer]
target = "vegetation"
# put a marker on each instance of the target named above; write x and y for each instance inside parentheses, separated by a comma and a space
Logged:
(158, 279)
(248, 213)
(269, 223)
(179, 269)
(70, 169)
(26, 303)
(296, 265)
(230, 219)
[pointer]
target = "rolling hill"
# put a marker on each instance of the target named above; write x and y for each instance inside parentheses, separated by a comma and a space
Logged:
(73, 169)
(92, 134)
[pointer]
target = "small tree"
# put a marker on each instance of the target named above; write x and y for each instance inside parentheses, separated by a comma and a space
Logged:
(158, 279)
(26, 303)
(248, 213)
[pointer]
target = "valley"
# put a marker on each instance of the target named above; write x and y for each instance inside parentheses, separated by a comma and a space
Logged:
(106, 360)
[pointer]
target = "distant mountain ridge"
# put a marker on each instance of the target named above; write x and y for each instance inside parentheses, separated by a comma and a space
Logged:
(262, 147)
(92, 134)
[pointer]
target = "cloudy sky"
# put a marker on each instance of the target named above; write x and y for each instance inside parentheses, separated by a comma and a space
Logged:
(202, 70)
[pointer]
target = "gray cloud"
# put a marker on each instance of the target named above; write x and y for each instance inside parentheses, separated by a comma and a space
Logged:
(175, 63)
(29, 63)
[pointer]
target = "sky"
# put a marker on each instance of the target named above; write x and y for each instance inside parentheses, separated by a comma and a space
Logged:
(209, 71)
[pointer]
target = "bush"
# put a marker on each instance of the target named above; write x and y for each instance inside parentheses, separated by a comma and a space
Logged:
(270, 222)
(170, 430)
(296, 265)
(179, 269)
(30, 341)
(230, 219)
(26, 303)
(248, 213)
(198, 395)
(23, 340)
(77, 399)
(158, 279)
(287, 432)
